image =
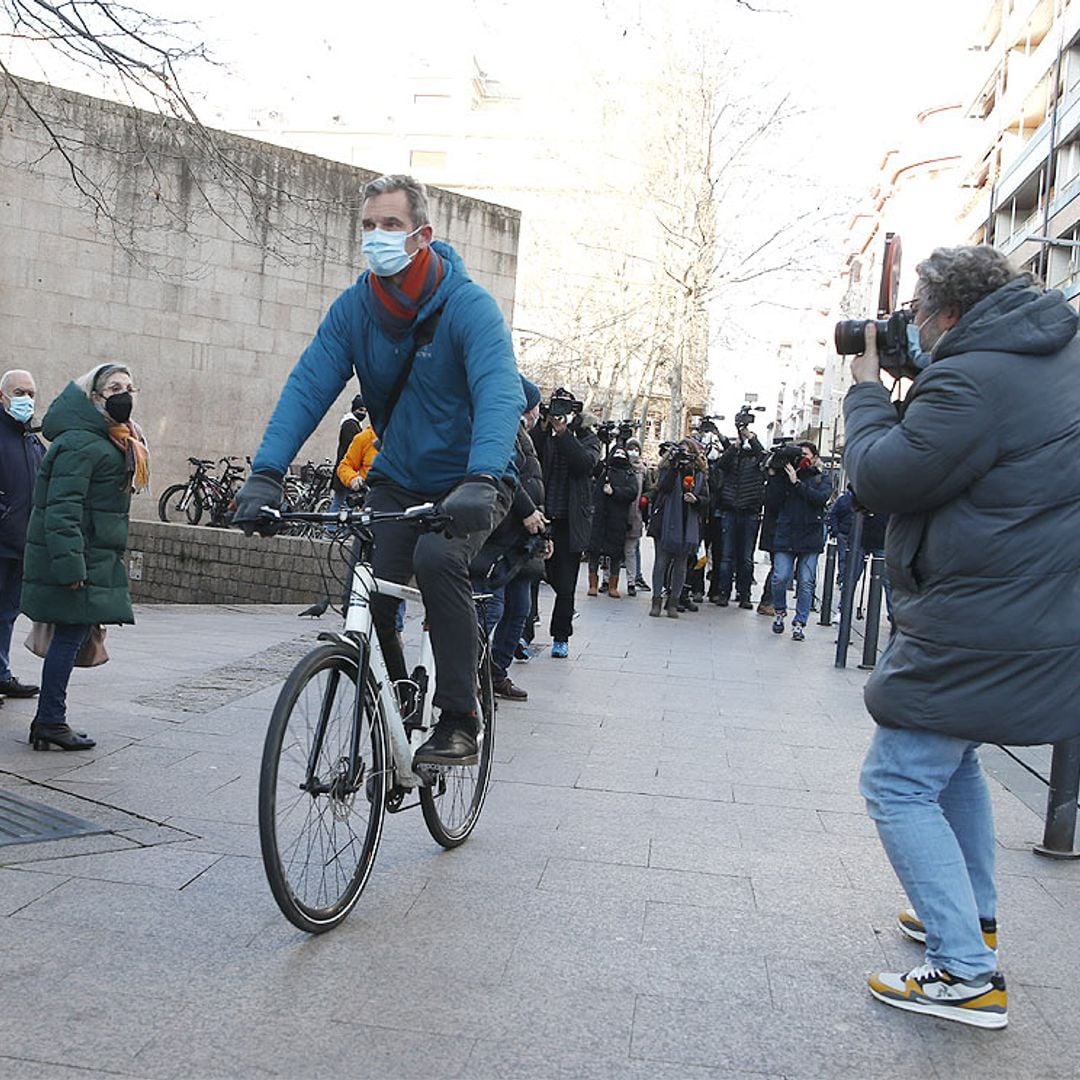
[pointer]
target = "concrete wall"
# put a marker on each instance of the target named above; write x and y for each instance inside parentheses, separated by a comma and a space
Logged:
(206, 272)
(186, 564)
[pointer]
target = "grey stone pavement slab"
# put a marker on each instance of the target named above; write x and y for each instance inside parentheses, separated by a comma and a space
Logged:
(674, 877)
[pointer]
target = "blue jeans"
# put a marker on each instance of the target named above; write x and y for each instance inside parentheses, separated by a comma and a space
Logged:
(787, 564)
(505, 615)
(739, 535)
(56, 673)
(10, 593)
(927, 794)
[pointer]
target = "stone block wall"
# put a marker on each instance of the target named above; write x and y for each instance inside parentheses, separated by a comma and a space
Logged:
(207, 270)
(185, 564)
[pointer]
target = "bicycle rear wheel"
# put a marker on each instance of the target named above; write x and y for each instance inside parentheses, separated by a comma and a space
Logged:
(178, 504)
(319, 836)
(451, 804)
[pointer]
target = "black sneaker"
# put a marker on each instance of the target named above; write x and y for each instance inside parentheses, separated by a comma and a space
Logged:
(14, 689)
(452, 742)
(746, 605)
(642, 584)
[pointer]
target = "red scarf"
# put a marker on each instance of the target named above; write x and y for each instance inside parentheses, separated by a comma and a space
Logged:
(398, 304)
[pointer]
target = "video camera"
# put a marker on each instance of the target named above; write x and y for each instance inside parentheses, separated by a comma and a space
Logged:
(784, 452)
(745, 416)
(617, 431)
(893, 342)
(562, 403)
(678, 456)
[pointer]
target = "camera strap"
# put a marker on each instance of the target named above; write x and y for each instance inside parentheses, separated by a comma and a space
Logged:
(423, 335)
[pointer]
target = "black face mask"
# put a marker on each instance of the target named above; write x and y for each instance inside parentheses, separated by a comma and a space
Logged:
(119, 407)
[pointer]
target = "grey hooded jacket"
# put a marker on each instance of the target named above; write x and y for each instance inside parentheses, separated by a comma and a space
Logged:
(982, 477)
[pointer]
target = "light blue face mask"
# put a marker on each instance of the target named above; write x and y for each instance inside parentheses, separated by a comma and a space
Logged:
(385, 251)
(919, 359)
(21, 408)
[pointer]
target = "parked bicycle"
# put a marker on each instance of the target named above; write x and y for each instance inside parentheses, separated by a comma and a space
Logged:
(203, 493)
(338, 754)
(309, 489)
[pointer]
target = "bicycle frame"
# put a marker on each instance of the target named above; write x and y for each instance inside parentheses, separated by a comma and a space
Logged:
(359, 634)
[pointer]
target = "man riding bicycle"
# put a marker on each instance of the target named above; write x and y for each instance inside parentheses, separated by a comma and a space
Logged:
(446, 412)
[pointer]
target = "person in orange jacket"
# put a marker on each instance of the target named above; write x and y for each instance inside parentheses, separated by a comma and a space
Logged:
(353, 468)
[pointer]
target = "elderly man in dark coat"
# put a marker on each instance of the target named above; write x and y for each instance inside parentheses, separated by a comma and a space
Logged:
(21, 453)
(983, 482)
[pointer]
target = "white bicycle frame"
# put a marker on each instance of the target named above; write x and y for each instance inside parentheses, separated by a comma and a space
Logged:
(359, 624)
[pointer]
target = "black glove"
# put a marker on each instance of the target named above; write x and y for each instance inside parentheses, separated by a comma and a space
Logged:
(259, 490)
(471, 506)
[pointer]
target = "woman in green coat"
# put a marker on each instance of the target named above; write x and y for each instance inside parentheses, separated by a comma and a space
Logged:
(74, 575)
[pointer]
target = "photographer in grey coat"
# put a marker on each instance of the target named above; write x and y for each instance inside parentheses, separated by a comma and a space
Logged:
(980, 474)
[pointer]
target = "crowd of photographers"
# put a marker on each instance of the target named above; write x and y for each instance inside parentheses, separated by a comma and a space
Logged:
(710, 503)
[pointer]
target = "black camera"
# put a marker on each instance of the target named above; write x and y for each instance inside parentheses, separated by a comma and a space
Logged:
(784, 453)
(616, 431)
(563, 403)
(891, 335)
(744, 417)
(677, 456)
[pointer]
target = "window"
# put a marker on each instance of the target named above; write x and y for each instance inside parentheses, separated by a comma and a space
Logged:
(427, 159)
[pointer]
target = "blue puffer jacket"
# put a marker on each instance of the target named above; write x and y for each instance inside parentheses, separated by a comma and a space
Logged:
(460, 410)
(20, 458)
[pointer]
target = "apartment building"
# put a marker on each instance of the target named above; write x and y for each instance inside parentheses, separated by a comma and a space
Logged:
(1023, 185)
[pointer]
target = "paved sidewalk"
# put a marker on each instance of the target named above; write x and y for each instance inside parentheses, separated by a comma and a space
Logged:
(674, 877)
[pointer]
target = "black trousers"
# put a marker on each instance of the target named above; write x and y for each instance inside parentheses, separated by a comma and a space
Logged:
(562, 575)
(441, 567)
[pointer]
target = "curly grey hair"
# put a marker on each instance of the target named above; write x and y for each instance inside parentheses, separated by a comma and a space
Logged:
(956, 279)
(415, 192)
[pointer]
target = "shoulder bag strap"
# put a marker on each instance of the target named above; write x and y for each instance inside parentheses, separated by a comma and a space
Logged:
(424, 335)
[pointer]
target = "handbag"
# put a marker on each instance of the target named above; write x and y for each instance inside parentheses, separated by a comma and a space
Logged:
(92, 652)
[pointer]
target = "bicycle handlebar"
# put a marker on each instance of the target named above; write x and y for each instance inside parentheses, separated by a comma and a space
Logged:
(425, 514)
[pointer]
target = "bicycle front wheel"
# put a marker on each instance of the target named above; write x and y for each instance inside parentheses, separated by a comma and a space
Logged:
(321, 807)
(451, 804)
(178, 503)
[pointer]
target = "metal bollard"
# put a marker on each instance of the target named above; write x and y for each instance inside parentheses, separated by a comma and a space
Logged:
(847, 594)
(1059, 834)
(873, 612)
(828, 584)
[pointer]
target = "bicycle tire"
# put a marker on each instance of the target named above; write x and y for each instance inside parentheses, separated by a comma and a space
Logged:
(451, 805)
(322, 823)
(170, 501)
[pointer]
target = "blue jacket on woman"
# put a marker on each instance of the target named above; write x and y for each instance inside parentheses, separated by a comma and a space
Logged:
(460, 410)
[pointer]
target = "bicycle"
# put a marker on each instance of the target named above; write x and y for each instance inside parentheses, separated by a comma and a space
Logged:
(202, 492)
(339, 747)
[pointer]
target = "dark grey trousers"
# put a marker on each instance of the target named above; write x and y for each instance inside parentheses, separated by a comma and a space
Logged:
(441, 567)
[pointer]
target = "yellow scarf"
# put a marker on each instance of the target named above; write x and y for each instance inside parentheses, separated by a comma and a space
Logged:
(129, 439)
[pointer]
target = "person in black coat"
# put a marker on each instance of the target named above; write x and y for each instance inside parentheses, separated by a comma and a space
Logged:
(512, 557)
(21, 453)
(773, 497)
(741, 495)
(569, 451)
(799, 538)
(615, 488)
(980, 476)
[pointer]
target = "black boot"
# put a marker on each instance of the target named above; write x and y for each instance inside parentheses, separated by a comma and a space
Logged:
(60, 736)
